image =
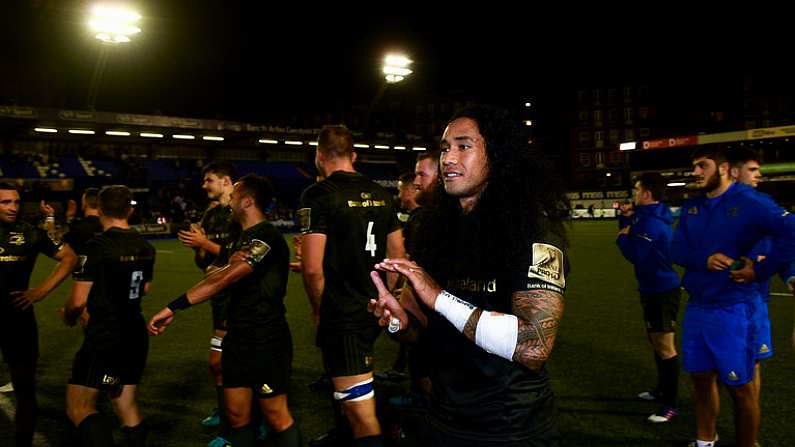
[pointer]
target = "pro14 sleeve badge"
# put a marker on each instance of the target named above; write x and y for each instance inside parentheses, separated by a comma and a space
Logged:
(257, 250)
(547, 265)
(305, 218)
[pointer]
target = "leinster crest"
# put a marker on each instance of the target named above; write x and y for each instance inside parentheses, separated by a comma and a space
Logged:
(547, 265)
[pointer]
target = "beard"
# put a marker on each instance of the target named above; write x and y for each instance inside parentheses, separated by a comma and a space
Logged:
(431, 195)
(712, 183)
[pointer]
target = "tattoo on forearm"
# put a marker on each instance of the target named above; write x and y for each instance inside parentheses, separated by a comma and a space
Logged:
(472, 324)
(539, 313)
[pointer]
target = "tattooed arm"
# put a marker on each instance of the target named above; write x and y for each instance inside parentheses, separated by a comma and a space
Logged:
(538, 313)
(526, 336)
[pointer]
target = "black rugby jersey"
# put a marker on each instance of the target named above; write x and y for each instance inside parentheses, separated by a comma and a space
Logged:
(356, 215)
(477, 395)
(219, 227)
(20, 244)
(256, 304)
(119, 262)
(81, 231)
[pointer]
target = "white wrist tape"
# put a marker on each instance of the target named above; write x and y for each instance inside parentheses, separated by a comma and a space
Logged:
(497, 334)
(456, 310)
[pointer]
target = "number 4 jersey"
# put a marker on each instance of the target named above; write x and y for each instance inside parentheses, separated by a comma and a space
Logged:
(356, 215)
(118, 263)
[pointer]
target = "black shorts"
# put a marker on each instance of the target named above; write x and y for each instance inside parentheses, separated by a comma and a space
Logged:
(348, 354)
(109, 370)
(19, 336)
(660, 310)
(219, 306)
(264, 367)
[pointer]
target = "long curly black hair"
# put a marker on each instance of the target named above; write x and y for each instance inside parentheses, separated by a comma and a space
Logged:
(523, 200)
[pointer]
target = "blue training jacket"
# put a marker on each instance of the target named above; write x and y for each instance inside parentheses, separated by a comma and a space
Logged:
(648, 247)
(762, 250)
(732, 224)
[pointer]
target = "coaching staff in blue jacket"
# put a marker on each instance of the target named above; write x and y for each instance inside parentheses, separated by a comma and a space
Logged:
(645, 241)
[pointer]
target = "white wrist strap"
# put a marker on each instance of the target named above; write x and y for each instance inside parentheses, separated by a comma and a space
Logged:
(456, 310)
(496, 333)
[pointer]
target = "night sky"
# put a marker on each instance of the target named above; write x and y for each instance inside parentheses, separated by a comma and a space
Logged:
(253, 61)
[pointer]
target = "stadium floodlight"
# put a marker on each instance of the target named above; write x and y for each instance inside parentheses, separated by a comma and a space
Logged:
(293, 143)
(381, 146)
(399, 148)
(528, 123)
(117, 133)
(527, 104)
(81, 131)
(396, 68)
(151, 135)
(45, 130)
(361, 146)
(212, 138)
(628, 146)
(114, 24)
(177, 136)
(312, 143)
(419, 148)
(676, 184)
(265, 141)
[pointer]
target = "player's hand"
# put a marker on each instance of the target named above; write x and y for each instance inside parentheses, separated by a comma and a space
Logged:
(195, 237)
(298, 243)
(746, 274)
(83, 318)
(62, 314)
(425, 288)
(387, 307)
(160, 321)
(22, 299)
(718, 262)
(45, 209)
(625, 230)
(71, 209)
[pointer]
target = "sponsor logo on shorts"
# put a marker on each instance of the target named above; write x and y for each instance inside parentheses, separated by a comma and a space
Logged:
(733, 376)
(693, 211)
(764, 349)
(547, 264)
(265, 389)
(110, 380)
